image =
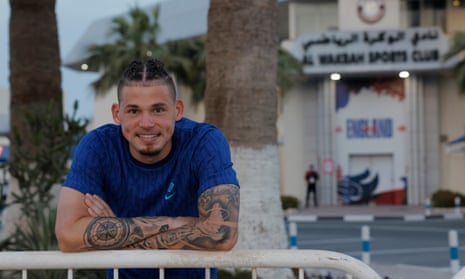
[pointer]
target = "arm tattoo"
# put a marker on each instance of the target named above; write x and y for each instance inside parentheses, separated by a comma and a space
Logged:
(116, 233)
(106, 233)
(219, 214)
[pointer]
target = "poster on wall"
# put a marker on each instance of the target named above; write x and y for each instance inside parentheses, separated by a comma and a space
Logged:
(371, 117)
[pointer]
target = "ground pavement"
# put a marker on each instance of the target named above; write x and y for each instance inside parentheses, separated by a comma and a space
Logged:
(368, 212)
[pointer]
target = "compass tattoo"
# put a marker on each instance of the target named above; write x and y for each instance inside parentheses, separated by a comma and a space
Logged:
(106, 233)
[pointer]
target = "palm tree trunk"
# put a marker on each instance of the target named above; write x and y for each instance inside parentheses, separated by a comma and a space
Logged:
(35, 77)
(241, 99)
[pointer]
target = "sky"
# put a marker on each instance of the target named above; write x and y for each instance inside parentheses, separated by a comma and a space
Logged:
(73, 18)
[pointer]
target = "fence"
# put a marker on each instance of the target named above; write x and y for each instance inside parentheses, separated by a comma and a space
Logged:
(245, 259)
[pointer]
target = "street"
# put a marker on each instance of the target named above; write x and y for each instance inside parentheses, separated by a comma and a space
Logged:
(416, 243)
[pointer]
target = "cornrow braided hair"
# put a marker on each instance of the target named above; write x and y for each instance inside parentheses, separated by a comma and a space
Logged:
(149, 73)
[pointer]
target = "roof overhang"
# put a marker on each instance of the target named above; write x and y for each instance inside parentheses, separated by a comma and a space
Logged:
(178, 19)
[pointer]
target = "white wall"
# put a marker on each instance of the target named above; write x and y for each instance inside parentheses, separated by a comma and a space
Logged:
(297, 126)
(102, 108)
(4, 100)
(349, 19)
(452, 125)
(4, 110)
(312, 17)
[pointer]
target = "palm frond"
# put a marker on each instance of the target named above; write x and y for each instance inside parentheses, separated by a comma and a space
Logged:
(458, 45)
(458, 48)
(135, 37)
(289, 70)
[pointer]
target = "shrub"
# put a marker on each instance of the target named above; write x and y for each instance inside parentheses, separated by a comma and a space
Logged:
(37, 172)
(445, 198)
(289, 202)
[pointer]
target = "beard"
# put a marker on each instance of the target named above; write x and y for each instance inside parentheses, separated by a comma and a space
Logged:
(149, 153)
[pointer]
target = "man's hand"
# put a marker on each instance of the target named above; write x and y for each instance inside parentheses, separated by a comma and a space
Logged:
(97, 207)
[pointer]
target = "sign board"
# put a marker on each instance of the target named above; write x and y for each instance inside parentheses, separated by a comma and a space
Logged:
(415, 49)
(328, 166)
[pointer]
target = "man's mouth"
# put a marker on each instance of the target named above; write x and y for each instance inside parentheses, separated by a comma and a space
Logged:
(149, 137)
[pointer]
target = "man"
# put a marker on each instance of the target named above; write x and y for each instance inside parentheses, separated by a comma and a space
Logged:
(311, 177)
(156, 180)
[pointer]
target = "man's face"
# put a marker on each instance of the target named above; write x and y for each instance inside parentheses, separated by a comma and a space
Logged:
(147, 115)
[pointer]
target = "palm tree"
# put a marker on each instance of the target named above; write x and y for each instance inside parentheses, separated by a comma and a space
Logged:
(241, 98)
(458, 49)
(35, 82)
(136, 38)
(35, 77)
(190, 68)
(290, 70)
(189, 65)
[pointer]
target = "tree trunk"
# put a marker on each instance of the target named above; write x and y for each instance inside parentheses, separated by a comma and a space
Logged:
(35, 77)
(241, 99)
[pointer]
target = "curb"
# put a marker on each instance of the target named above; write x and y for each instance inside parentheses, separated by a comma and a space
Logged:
(371, 218)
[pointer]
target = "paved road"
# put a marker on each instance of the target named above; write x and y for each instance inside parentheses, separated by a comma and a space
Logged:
(415, 243)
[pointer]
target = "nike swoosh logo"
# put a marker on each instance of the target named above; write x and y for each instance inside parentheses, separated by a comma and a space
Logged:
(169, 196)
(170, 192)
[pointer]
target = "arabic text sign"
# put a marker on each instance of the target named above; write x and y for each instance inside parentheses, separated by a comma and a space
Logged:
(409, 49)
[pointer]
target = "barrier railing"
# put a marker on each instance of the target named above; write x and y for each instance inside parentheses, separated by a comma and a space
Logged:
(460, 274)
(246, 259)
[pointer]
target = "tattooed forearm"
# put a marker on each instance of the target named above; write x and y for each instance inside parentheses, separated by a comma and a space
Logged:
(117, 233)
(215, 229)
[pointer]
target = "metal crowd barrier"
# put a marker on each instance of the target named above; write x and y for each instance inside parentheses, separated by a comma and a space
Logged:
(245, 259)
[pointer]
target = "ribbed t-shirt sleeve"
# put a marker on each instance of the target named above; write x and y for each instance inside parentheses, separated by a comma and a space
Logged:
(86, 173)
(213, 158)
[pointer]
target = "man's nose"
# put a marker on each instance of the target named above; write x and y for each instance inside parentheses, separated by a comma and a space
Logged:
(147, 120)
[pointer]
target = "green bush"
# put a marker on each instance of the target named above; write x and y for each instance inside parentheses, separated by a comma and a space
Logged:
(289, 202)
(37, 171)
(445, 198)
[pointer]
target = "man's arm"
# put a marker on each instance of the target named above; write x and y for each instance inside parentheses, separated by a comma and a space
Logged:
(214, 229)
(77, 213)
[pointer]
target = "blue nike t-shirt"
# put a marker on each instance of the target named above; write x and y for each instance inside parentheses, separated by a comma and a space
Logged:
(200, 159)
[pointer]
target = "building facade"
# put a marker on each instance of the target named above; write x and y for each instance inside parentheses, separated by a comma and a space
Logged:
(373, 114)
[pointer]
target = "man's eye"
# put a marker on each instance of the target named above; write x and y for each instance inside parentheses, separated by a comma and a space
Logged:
(132, 111)
(159, 110)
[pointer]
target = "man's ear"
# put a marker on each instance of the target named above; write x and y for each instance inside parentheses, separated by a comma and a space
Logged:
(179, 109)
(115, 113)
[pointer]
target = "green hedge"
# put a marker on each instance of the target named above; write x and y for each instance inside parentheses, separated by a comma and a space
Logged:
(445, 198)
(289, 202)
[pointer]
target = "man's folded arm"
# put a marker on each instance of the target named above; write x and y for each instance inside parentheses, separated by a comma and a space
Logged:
(79, 228)
(87, 224)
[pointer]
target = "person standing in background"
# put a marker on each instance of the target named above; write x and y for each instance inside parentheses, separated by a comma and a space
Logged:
(311, 177)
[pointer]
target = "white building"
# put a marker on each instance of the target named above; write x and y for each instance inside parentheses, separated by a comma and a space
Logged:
(4, 123)
(4, 114)
(375, 137)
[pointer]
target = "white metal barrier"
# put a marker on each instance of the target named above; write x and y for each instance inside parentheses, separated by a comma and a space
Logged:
(247, 259)
(460, 274)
